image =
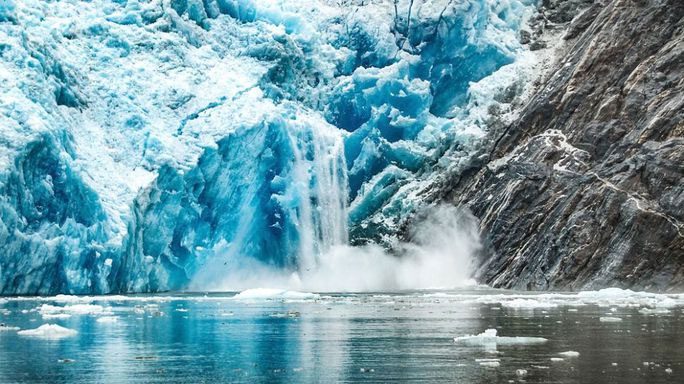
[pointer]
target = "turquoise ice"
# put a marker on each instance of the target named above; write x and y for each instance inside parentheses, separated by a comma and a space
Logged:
(145, 143)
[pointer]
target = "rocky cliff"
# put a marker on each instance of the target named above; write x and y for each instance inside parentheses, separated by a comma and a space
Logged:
(586, 188)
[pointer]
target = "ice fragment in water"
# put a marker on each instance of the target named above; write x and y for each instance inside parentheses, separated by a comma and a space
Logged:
(48, 331)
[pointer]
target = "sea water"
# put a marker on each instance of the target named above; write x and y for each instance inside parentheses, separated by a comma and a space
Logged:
(474, 335)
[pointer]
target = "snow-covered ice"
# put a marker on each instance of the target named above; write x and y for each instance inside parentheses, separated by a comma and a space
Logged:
(171, 142)
(48, 331)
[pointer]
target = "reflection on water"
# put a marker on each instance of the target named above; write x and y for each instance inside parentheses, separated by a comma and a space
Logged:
(344, 338)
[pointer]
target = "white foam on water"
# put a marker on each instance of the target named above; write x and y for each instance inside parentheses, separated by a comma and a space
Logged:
(48, 331)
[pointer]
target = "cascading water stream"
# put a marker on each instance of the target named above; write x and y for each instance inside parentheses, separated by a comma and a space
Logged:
(321, 178)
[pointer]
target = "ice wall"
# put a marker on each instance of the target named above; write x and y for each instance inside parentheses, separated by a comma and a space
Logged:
(148, 145)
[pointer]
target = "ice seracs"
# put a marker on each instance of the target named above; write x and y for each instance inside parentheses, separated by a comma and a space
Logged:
(149, 146)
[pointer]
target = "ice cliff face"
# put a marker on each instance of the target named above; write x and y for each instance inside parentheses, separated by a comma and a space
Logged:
(144, 143)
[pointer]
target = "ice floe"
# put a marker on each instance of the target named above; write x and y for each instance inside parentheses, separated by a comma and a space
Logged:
(528, 304)
(492, 363)
(569, 354)
(54, 311)
(609, 297)
(48, 331)
(609, 319)
(489, 340)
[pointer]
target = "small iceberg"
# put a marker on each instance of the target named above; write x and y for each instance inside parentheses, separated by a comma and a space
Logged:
(490, 340)
(48, 331)
(609, 319)
(491, 363)
(569, 354)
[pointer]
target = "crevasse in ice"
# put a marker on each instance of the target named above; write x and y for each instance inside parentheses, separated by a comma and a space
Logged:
(144, 142)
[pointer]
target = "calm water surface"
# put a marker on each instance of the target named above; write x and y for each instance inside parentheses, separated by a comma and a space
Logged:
(327, 338)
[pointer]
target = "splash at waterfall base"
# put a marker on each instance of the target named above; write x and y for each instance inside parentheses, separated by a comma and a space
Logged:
(440, 256)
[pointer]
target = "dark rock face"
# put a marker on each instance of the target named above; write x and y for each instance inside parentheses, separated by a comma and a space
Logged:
(586, 188)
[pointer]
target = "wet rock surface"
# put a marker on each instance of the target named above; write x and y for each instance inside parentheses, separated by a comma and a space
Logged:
(586, 188)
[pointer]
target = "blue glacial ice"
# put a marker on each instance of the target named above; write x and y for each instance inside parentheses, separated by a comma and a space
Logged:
(147, 144)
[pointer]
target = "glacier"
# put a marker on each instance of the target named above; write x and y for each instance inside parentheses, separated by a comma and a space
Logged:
(147, 144)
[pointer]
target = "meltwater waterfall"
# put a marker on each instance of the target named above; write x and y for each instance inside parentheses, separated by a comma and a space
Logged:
(320, 175)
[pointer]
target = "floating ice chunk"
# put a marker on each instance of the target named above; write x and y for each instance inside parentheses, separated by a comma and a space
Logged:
(570, 354)
(528, 304)
(490, 364)
(269, 293)
(654, 311)
(521, 372)
(557, 359)
(107, 319)
(48, 331)
(490, 340)
(76, 309)
(71, 298)
(53, 316)
(668, 371)
(607, 293)
(6, 328)
(609, 319)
